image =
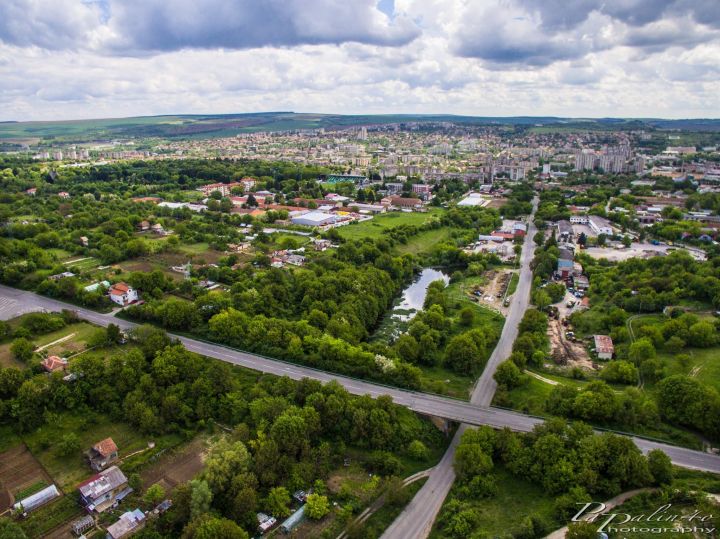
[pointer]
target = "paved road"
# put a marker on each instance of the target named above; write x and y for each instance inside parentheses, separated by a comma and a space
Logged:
(417, 518)
(424, 403)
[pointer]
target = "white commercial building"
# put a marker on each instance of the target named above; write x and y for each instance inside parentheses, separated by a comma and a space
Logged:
(600, 225)
(314, 218)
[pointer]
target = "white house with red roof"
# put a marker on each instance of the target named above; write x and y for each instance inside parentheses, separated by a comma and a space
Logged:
(123, 294)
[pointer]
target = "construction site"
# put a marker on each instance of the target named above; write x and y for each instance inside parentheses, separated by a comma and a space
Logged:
(565, 349)
(493, 292)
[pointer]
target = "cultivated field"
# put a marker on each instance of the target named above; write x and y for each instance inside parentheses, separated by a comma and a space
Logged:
(19, 470)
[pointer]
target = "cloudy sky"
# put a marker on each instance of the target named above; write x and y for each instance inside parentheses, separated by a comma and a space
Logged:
(63, 59)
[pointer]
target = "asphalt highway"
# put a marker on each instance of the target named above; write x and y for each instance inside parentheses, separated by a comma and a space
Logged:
(417, 518)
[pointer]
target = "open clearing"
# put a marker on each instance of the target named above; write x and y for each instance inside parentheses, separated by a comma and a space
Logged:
(564, 351)
(424, 241)
(639, 250)
(178, 467)
(488, 290)
(373, 228)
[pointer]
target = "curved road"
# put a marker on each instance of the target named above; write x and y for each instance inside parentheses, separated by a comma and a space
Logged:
(417, 519)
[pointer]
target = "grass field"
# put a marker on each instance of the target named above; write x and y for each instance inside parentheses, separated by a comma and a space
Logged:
(284, 240)
(384, 221)
(8, 438)
(7, 359)
(59, 254)
(195, 248)
(83, 263)
(80, 332)
(502, 514)
(425, 241)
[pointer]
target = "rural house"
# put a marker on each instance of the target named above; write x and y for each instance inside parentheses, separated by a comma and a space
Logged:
(604, 346)
(123, 294)
(54, 363)
(129, 523)
(102, 454)
(102, 491)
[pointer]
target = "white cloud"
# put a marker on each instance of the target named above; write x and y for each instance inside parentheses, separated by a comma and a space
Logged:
(480, 57)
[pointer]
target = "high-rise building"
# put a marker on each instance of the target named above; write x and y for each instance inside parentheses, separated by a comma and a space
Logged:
(585, 160)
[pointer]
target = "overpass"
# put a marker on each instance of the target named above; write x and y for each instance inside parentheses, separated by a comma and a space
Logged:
(14, 302)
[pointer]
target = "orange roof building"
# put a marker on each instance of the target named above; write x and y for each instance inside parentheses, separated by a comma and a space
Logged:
(54, 363)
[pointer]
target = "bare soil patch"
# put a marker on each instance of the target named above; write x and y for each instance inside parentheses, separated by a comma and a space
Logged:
(565, 351)
(177, 467)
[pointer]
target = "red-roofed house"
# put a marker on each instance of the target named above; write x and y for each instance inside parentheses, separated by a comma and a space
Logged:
(54, 363)
(123, 294)
(102, 454)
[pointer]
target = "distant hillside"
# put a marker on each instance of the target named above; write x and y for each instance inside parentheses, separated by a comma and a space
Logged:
(222, 125)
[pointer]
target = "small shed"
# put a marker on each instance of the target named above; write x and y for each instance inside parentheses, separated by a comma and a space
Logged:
(82, 525)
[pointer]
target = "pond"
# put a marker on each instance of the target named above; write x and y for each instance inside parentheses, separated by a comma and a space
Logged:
(413, 297)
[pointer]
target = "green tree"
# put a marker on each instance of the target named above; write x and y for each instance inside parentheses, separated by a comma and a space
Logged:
(113, 334)
(541, 299)
(212, 527)
(660, 467)
(620, 372)
(22, 349)
(317, 506)
(225, 461)
(702, 334)
(471, 460)
(154, 495)
(278, 501)
(508, 375)
(418, 450)
(200, 498)
(69, 444)
(463, 355)
(467, 317)
(641, 350)
(582, 530)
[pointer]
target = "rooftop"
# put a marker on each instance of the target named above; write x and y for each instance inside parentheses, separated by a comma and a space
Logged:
(102, 483)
